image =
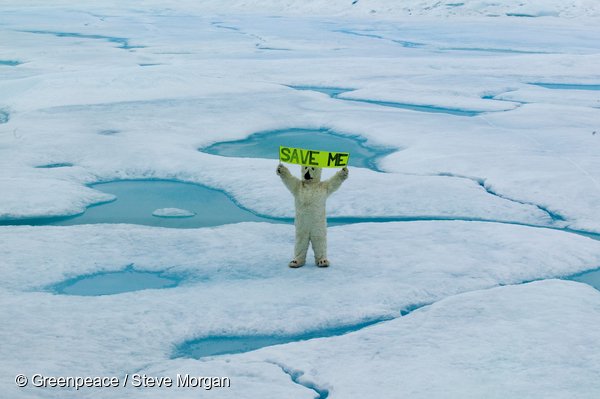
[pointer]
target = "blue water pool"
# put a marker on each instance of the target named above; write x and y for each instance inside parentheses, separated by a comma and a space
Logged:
(330, 91)
(137, 200)
(560, 86)
(55, 165)
(213, 346)
(124, 43)
(113, 283)
(266, 145)
(592, 278)
(422, 108)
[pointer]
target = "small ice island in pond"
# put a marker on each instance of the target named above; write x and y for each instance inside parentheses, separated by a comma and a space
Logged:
(172, 213)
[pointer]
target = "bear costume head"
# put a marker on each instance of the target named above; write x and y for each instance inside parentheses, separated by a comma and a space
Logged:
(311, 174)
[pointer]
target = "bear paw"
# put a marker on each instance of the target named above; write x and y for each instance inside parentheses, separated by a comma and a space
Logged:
(280, 169)
(323, 263)
(296, 263)
(344, 173)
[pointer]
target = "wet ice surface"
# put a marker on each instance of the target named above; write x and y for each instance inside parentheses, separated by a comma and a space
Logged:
(266, 145)
(113, 283)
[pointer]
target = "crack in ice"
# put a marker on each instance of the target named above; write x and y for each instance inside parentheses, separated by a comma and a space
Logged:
(481, 182)
(124, 42)
(296, 375)
(549, 150)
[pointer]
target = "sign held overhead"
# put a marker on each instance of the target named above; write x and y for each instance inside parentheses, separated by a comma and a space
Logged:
(321, 159)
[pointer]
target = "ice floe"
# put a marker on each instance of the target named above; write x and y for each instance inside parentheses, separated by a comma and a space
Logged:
(172, 213)
(451, 249)
(379, 271)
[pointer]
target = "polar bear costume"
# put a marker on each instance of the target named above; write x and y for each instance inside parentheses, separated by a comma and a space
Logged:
(310, 195)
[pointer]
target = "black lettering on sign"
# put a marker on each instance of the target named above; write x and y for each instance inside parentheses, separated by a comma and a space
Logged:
(341, 161)
(312, 160)
(285, 154)
(333, 158)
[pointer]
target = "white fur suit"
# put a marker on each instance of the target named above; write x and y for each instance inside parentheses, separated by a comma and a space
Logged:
(310, 195)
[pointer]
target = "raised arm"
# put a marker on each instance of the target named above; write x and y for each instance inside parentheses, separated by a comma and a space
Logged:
(336, 181)
(292, 183)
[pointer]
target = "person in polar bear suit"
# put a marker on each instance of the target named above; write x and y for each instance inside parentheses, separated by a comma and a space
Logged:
(310, 195)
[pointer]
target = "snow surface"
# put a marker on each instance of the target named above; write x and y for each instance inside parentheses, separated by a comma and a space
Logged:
(233, 287)
(568, 98)
(537, 340)
(172, 213)
(207, 83)
(362, 8)
(130, 90)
